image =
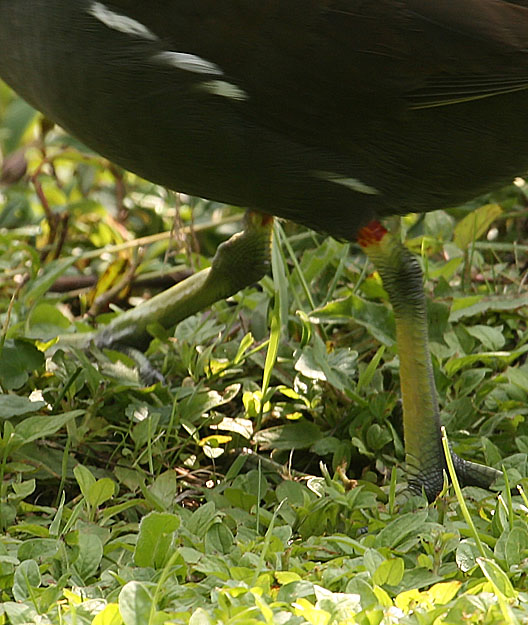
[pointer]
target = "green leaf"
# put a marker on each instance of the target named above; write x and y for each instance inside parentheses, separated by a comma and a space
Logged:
(245, 344)
(299, 435)
(443, 592)
(219, 538)
(446, 269)
(401, 527)
(519, 377)
(42, 284)
(103, 490)
(34, 428)
(85, 479)
(339, 604)
(273, 345)
(19, 116)
(90, 555)
(238, 498)
(365, 591)
(475, 225)
(165, 488)
(516, 546)
(38, 549)
(294, 590)
(27, 576)
(18, 359)
(46, 322)
(512, 545)
(475, 305)
(24, 489)
(154, 543)
(136, 603)
(202, 519)
(378, 436)
(372, 559)
(109, 616)
(377, 318)
(19, 613)
(491, 338)
(15, 405)
(200, 617)
(491, 359)
(335, 367)
(497, 577)
(389, 572)
(368, 373)
(293, 492)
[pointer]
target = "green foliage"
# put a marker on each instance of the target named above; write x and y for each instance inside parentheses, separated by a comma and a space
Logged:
(253, 485)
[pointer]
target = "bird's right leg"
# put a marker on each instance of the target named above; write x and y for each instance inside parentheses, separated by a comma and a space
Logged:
(402, 279)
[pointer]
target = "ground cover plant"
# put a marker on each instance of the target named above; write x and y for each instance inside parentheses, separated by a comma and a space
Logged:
(261, 481)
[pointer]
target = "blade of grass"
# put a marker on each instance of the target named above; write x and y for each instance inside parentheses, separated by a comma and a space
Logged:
(458, 492)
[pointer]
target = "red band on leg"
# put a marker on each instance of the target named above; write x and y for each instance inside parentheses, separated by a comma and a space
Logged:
(371, 234)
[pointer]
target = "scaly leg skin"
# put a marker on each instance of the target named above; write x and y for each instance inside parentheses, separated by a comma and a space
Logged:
(238, 262)
(402, 279)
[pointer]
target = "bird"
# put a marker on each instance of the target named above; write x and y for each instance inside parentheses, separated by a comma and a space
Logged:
(334, 114)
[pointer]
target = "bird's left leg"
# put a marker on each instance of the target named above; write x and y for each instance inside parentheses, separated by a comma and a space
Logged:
(238, 262)
(402, 279)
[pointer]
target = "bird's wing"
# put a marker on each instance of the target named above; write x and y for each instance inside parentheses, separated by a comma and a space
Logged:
(474, 49)
(303, 66)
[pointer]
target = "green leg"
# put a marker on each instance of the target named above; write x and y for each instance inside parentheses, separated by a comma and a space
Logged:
(402, 278)
(239, 262)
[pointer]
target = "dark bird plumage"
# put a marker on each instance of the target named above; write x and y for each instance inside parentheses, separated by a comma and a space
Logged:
(370, 107)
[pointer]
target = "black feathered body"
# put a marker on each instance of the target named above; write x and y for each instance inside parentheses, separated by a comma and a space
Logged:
(327, 112)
